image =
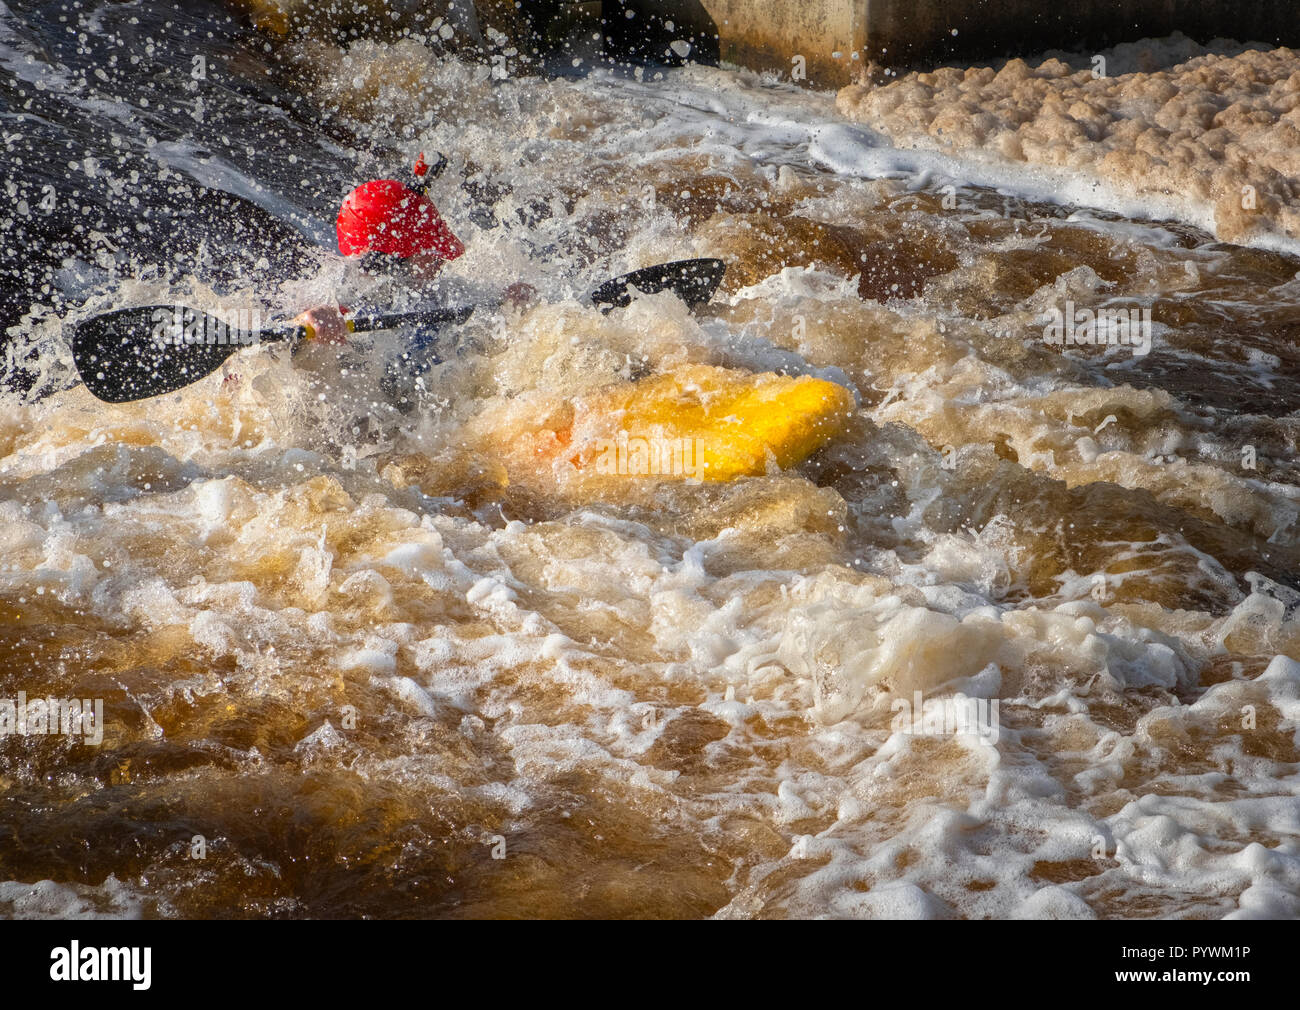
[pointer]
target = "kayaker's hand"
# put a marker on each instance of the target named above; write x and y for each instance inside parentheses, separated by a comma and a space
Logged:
(520, 295)
(326, 323)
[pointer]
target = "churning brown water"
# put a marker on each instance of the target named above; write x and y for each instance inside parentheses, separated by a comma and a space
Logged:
(426, 670)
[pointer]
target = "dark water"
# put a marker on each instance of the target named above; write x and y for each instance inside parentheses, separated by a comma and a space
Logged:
(156, 138)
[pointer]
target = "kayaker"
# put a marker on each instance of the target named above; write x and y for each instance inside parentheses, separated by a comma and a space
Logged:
(396, 243)
(393, 232)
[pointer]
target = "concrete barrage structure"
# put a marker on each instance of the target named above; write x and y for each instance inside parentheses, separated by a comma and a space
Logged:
(835, 42)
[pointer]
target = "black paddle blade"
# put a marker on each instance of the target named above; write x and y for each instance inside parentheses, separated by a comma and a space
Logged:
(136, 353)
(693, 281)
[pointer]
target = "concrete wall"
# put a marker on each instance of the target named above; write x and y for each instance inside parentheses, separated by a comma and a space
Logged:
(839, 38)
(768, 34)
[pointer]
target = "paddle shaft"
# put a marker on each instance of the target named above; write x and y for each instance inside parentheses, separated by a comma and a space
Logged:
(367, 323)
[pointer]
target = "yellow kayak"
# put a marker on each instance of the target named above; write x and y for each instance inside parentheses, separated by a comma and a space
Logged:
(703, 423)
(620, 442)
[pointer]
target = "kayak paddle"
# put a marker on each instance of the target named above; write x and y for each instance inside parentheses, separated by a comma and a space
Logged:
(135, 353)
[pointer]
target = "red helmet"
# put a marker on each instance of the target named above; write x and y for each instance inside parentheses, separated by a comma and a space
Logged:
(389, 217)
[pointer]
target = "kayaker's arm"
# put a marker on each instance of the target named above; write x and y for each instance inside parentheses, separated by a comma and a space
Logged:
(328, 326)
